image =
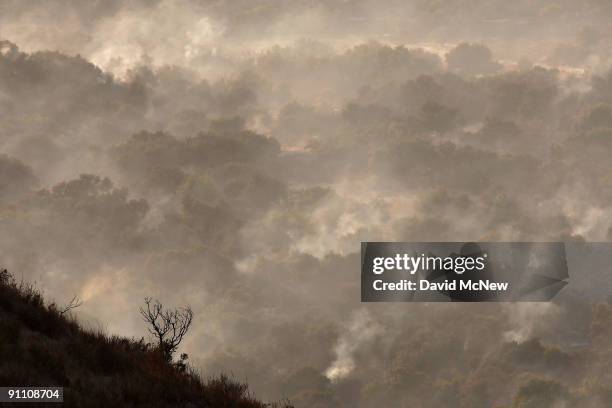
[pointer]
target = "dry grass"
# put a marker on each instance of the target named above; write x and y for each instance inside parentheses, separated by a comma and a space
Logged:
(41, 347)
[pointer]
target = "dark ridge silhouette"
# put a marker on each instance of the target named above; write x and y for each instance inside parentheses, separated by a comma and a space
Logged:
(42, 346)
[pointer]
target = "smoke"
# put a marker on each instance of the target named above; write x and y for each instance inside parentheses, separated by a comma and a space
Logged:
(233, 154)
(526, 318)
(361, 330)
(187, 39)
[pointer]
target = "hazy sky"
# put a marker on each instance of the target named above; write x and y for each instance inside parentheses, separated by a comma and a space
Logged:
(233, 155)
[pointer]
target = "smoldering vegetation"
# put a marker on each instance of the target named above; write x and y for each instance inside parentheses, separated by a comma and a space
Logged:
(215, 157)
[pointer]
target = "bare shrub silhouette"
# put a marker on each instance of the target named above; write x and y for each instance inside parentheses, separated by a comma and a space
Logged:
(168, 326)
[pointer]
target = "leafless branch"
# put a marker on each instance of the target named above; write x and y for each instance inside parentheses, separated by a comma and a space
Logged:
(167, 326)
(73, 304)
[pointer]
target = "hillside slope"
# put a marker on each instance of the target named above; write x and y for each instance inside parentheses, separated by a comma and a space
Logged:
(39, 346)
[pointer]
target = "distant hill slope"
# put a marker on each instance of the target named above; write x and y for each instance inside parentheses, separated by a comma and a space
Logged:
(41, 347)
